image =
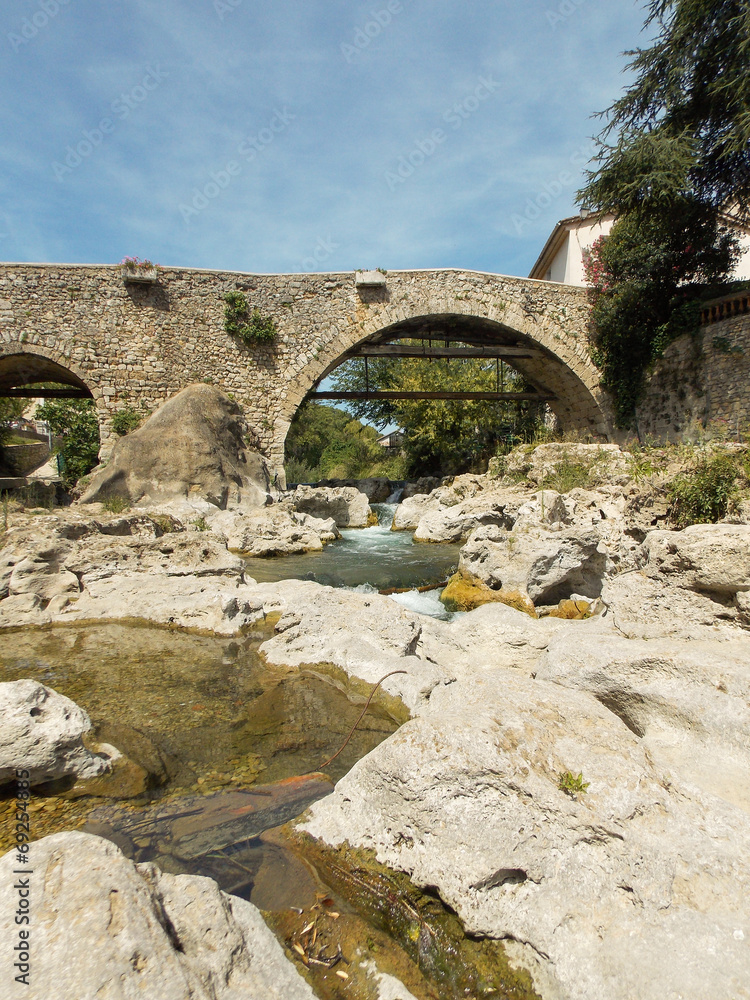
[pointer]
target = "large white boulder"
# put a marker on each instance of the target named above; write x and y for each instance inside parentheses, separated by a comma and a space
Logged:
(689, 701)
(194, 445)
(548, 566)
(637, 887)
(346, 505)
(42, 732)
(104, 927)
(708, 558)
(274, 531)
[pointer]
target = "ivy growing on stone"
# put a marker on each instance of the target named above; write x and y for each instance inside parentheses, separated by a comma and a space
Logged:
(249, 327)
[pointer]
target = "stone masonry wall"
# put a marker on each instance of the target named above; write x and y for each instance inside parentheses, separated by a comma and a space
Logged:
(137, 345)
(701, 384)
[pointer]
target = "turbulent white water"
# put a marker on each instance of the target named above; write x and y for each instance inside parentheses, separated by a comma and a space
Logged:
(371, 559)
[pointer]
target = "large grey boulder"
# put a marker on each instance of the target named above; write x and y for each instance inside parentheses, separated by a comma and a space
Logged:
(346, 505)
(707, 558)
(275, 531)
(547, 566)
(636, 888)
(104, 927)
(195, 445)
(42, 732)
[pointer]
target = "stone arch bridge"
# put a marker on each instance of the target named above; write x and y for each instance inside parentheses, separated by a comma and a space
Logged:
(126, 343)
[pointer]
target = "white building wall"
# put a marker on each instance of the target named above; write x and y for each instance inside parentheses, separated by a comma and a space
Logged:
(742, 271)
(581, 238)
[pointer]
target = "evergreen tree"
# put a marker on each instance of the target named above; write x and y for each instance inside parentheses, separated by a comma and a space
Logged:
(683, 127)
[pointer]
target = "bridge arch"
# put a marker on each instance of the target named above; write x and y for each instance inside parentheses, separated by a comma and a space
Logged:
(550, 351)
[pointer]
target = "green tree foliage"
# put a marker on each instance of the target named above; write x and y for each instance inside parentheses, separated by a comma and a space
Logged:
(10, 410)
(126, 420)
(648, 278)
(75, 421)
(326, 443)
(441, 436)
(673, 156)
(683, 126)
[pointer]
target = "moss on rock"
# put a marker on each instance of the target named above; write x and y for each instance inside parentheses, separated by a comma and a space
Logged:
(464, 594)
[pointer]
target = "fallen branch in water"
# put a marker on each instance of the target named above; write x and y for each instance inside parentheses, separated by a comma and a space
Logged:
(351, 733)
(419, 590)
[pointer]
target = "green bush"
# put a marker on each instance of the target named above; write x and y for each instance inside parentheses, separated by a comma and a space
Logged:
(567, 476)
(705, 493)
(116, 505)
(250, 328)
(126, 420)
(74, 420)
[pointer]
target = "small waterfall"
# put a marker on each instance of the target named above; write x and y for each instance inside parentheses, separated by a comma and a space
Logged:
(386, 512)
(395, 497)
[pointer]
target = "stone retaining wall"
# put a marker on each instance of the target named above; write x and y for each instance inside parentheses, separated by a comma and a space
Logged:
(701, 384)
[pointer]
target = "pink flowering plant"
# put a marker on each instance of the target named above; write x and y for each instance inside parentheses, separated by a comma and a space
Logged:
(136, 264)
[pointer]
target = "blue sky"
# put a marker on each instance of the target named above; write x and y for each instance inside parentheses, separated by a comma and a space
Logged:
(299, 136)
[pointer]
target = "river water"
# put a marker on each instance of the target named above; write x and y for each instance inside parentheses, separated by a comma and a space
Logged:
(203, 718)
(371, 559)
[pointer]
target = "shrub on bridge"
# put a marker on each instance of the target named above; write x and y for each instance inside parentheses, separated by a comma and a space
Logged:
(250, 328)
(126, 420)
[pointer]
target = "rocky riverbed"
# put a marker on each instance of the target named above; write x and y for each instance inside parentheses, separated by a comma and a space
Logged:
(576, 789)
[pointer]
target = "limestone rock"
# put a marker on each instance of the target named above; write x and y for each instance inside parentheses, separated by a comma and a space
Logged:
(648, 608)
(193, 445)
(637, 888)
(346, 505)
(546, 565)
(377, 489)
(37, 576)
(106, 927)
(276, 530)
(364, 634)
(707, 558)
(42, 731)
(410, 511)
(689, 701)
(221, 606)
(603, 461)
